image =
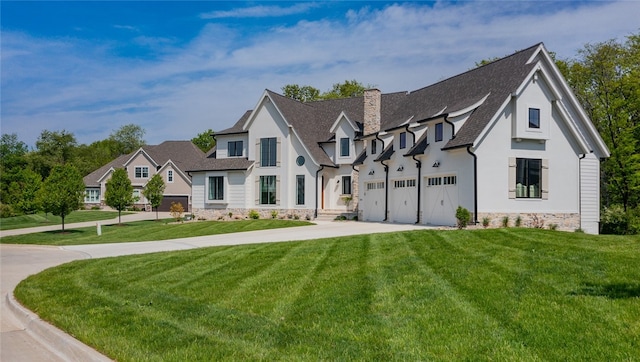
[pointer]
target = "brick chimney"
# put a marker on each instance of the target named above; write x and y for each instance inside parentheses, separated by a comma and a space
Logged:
(372, 100)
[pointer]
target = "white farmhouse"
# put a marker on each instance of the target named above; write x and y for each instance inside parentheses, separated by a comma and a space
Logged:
(507, 139)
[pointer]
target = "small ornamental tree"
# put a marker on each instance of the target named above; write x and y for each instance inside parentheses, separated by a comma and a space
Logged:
(119, 192)
(154, 191)
(62, 192)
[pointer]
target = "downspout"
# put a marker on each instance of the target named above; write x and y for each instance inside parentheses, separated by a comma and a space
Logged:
(475, 184)
(315, 213)
(419, 166)
(386, 182)
(453, 126)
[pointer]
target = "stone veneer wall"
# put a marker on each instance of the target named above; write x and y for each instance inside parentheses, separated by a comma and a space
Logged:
(564, 221)
(223, 214)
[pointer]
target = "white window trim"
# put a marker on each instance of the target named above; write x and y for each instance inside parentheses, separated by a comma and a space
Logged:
(224, 190)
(141, 172)
(170, 176)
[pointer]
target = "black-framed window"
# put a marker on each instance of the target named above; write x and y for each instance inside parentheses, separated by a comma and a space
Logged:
(528, 178)
(344, 147)
(403, 140)
(534, 118)
(216, 188)
(267, 190)
(141, 172)
(439, 132)
(234, 149)
(300, 190)
(346, 185)
(268, 152)
(374, 147)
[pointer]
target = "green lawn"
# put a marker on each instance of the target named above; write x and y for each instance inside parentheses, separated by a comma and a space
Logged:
(147, 230)
(42, 219)
(502, 294)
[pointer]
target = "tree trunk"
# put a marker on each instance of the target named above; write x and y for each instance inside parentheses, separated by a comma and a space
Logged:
(62, 215)
(156, 213)
(119, 212)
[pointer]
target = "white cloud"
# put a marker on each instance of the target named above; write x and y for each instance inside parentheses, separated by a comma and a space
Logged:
(260, 11)
(212, 80)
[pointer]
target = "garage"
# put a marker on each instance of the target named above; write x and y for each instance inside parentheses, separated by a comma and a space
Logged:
(403, 201)
(167, 200)
(373, 201)
(441, 200)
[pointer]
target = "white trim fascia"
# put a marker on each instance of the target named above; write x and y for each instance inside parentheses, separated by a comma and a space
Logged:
(572, 128)
(339, 119)
(252, 117)
(304, 146)
(111, 169)
(175, 168)
(469, 108)
(135, 154)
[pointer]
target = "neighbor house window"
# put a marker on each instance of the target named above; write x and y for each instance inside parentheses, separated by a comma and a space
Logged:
(438, 132)
(403, 140)
(234, 149)
(346, 185)
(344, 147)
(216, 188)
(92, 196)
(374, 147)
(169, 175)
(267, 190)
(268, 152)
(300, 190)
(528, 178)
(136, 195)
(141, 172)
(534, 118)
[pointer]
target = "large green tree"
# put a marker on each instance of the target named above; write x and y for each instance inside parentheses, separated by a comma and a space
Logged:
(63, 191)
(306, 93)
(154, 191)
(204, 140)
(52, 148)
(129, 138)
(24, 191)
(606, 79)
(13, 160)
(119, 191)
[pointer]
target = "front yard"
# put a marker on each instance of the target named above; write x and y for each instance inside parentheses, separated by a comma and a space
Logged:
(501, 294)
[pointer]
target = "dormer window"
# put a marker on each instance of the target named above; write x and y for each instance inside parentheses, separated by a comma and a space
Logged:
(403, 140)
(374, 147)
(344, 147)
(234, 149)
(534, 117)
(438, 132)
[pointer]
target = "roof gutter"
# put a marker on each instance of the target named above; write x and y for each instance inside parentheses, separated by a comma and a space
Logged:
(419, 166)
(453, 127)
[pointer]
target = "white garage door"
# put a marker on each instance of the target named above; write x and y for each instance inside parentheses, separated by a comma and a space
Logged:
(403, 201)
(441, 200)
(373, 201)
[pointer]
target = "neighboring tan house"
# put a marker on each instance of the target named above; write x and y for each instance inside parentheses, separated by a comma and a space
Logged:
(507, 139)
(170, 159)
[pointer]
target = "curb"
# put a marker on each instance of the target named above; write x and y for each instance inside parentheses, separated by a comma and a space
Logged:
(53, 339)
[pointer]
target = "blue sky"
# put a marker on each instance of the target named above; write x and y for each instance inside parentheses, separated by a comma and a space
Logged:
(179, 68)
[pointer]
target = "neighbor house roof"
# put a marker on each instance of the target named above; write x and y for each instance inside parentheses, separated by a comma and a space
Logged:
(183, 154)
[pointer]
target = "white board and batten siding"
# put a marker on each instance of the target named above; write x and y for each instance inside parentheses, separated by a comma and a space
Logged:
(590, 194)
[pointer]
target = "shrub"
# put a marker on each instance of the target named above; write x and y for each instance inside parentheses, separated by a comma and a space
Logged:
(616, 221)
(553, 226)
(463, 217)
(579, 230)
(485, 222)
(296, 217)
(355, 218)
(253, 214)
(505, 222)
(518, 221)
(536, 222)
(176, 210)
(96, 207)
(230, 214)
(274, 214)
(6, 211)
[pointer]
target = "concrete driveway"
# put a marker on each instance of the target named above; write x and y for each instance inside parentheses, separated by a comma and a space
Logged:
(27, 338)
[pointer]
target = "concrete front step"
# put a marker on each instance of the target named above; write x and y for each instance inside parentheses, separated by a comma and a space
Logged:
(332, 215)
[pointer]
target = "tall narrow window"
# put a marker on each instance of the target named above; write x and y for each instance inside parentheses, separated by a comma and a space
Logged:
(234, 149)
(403, 140)
(374, 147)
(300, 190)
(346, 185)
(344, 147)
(267, 190)
(438, 132)
(534, 118)
(169, 175)
(268, 153)
(216, 188)
(528, 178)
